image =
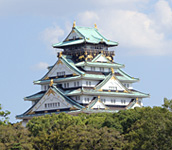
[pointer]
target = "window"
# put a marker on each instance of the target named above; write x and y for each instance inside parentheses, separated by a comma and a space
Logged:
(126, 85)
(74, 84)
(92, 68)
(77, 83)
(123, 101)
(61, 73)
(67, 85)
(112, 88)
(77, 97)
(103, 100)
(64, 85)
(102, 69)
(113, 101)
(87, 99)
(52, 105)
(89, 83)
(109, 69)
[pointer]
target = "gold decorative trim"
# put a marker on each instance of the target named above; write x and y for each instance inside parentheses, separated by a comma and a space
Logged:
(59, 62)
(58, 110)
(74, 24)
(46, 78)
(51, 82)
(82, 56)
(95, 26)
(112, 70)
(73, 108)
(109, 90)
(125, 91)
(113, 78)
(50, 92)
(89, 56)
(60, 54)
(108, 57)
(46, 111)
(117, 91)
(74, 74)
(100, 90)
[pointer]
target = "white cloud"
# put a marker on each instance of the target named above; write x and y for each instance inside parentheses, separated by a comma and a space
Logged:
(88, 18)
(135, 31)
(162, 16)
(52, 34)
(40, 66)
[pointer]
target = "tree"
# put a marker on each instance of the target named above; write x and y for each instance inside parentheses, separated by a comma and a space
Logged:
(3, 116)
(14, 137)
(167, 104)
(153, 131)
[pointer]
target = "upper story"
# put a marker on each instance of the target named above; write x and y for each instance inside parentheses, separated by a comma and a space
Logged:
(84, 43)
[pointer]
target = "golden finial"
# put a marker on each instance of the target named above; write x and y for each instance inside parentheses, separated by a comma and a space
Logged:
(137, 99)
(60, 54)
(51, 82)
(112, 70)
(95, 26)
(74, 24)
(98, 97)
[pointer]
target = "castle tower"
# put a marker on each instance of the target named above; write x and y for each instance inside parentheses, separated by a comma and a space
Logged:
(85, 78)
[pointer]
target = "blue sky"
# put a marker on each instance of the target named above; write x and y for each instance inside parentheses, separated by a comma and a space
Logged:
(28, 28)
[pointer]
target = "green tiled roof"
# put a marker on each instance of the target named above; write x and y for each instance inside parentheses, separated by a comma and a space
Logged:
(100, 64)
(36, 96)
(125, 77)
(55, 89)
(88, 35)
(131, 94)
(93, 102)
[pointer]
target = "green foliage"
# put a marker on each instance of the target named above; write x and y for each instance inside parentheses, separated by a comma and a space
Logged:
(14, 137)
(167, 104)
(3, 116)
(135, 129)
(153, 131)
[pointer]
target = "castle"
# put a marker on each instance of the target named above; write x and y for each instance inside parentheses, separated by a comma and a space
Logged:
(85, 78)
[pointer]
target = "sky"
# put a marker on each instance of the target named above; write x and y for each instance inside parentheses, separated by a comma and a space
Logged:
(143, 29)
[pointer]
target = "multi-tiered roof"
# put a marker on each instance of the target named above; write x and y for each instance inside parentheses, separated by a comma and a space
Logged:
(85, 78)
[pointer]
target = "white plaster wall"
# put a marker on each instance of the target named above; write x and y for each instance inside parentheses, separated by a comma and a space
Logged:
(44, 87)
(117, 100)
(51, 99)
(113, 83)
(93, 83)
(71, 83)
(88, 68)
(86, 96)
(72, 35)
(102, 59)
(99, 105)
(128, 85)
(60, 68)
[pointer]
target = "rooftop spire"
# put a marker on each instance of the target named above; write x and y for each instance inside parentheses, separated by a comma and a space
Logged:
(51, 82)
(95, 26)
(74, 24)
